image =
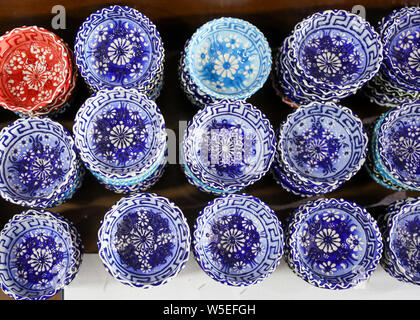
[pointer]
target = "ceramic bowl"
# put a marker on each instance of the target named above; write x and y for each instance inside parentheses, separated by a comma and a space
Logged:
(398, 146)
(401, 231)
(144, 240)
(333, 243)
(322, 143)
(120, 134)
(228, 58)
(41, 252)
(36, 65)
(119, 46)
(238, 240)
(38, 163)
(401, 40)
(336, 49)
(228, 145)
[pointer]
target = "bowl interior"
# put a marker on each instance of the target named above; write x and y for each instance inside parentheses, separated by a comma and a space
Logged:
(34, 68)
(228, 58)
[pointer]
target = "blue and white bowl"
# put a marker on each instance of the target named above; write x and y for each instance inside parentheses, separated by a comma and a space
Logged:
(120, 135)
(336, 49)
(120, 47)
(397, 146)
(227, 146)
(333, 243)
(39, 165)
(226, 58)
(401, 233)
(238, 240)
(40, 252)
(397, 81)
(144, 240)
(320, 146)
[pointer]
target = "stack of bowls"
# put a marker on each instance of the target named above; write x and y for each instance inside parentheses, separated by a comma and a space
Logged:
(39, 165)
(227, 146)
(327, 57)
(120, 47)
(38, 73)
(226, 58)
(332, 243)
(401, 232)
(398, 80)
(238, 240)
(41, 253)
(320, 146)
(144, 240)
(121, 138)
(394, 149)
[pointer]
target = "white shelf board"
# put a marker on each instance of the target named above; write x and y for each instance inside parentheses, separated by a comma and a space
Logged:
(94, 282)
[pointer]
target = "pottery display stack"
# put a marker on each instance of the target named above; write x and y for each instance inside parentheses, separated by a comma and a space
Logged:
(401, 232)
(226, 58)
(328, 56)
(120, 47)
(320, 146)
(38, 72)
(398, 82)
(332, 243)
(394, 149)
(121, 138)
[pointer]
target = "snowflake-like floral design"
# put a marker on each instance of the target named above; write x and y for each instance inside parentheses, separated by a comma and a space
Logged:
(406, 244)
(403, 148)
(36, 164)
(120, 134)
(144, 240)
(235, 242)
(226, 64)
(318, 148)
(38, 260)
(120, 52)
(332, 57)
(331, 242)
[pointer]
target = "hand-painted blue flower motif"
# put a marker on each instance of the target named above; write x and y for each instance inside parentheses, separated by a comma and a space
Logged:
(120, 134)
(318, 148)
(329, 56)
(35, 165)
(35, 259)
(144, 240)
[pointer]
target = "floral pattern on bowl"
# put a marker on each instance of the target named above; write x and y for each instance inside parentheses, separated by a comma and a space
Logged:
(228, 58)
(38, 162)
(42, 254)
(144, 240)
(238, 240)
(333, 243)
(229, 145)
(322, 143)
(119, 46)
(120, 134)
(35, 64)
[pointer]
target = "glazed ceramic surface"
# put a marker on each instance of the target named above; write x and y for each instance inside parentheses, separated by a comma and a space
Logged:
(238, 240)
(229, 145)
(228, 58)
(333, 243)
(41, 253)
(398, 145)
(35, 65)
(323, 143)
(119, 46)
(144, 240)
(120, 134)
(38, 162)
(337, 49)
